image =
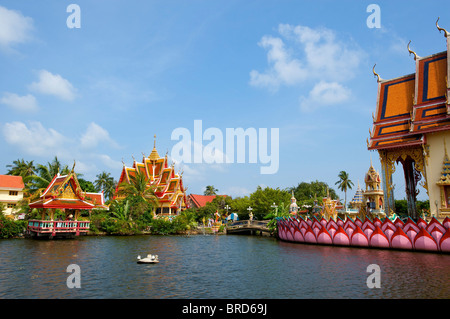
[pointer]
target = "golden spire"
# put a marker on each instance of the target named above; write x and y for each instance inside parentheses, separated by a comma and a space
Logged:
(154, 154)
(441, 29)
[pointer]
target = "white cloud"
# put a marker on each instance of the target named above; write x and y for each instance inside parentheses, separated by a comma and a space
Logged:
(26, 103)
(304, 56)
(35, 139)
(14, 28)
(324, 93)
(284, 68)
(53, 84)
(95, 135)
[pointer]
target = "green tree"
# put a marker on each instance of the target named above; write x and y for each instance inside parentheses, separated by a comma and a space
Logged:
(45, 174)
(277, 212)
(86, 186)
(105, 182)
(138, 187)
(263, 199)
(239, 206)
(22, 168)
(306, 193)
(344, 183)
(210, 190)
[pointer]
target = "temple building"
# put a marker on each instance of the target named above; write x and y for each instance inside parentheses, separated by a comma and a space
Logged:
(168, 185)
(373, 194)
(410, 126)
(63, 194)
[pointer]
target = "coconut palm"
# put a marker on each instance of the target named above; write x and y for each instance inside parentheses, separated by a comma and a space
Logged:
(344, 184)
(210, 190)
(138, 187)
(105, 182)
(45, 174)
(21, 168)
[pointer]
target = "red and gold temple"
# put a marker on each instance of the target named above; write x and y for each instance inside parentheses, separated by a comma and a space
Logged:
(63, 193)
(167, 184)
(411, 125)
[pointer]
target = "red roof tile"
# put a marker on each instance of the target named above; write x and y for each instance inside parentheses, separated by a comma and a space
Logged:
(201, 200)
(9, 181)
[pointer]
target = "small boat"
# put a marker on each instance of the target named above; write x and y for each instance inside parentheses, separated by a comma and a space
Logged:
(150, 259)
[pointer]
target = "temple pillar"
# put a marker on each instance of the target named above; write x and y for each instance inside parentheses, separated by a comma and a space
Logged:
(387, 169)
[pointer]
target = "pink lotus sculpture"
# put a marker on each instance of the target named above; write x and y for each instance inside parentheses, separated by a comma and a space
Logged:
(421, 236)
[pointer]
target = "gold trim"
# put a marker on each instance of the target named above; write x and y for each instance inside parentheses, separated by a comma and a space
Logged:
(376, 74)
(411, 51)
(441, 29)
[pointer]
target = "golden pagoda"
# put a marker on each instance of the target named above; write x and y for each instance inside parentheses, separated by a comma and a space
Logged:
(167, 184)
(373, 194)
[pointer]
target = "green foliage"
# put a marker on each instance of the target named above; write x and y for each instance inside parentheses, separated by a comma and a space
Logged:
(11, 228)
(344, 183)
(280, 211)
(161, 226)
(86, 186)
(263, 199)
(106, 183)
(306, 193)
(401, 207)
(210, 190)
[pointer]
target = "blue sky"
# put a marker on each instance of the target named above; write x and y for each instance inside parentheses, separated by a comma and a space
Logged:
(99, 93)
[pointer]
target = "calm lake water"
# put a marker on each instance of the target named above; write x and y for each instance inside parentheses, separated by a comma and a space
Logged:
(205, 267)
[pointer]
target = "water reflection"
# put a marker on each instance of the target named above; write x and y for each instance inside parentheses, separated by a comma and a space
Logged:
(214, 267)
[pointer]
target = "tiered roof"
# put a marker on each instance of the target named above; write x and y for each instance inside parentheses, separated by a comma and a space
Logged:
(64, 192)
(168, 185)
(358, 198)
(412, 105)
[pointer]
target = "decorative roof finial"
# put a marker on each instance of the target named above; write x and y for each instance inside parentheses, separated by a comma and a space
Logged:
(441, 29)
(411, 51)
(73, 167)
(376, 74)
(154, 141)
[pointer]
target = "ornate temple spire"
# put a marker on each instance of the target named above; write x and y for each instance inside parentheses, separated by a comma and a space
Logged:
(154, 154)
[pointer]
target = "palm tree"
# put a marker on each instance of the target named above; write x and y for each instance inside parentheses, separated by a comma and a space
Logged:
(105, 182)
(45, 174)
(344, 184)
(21, 168)
(138, 187)
(210, 190)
